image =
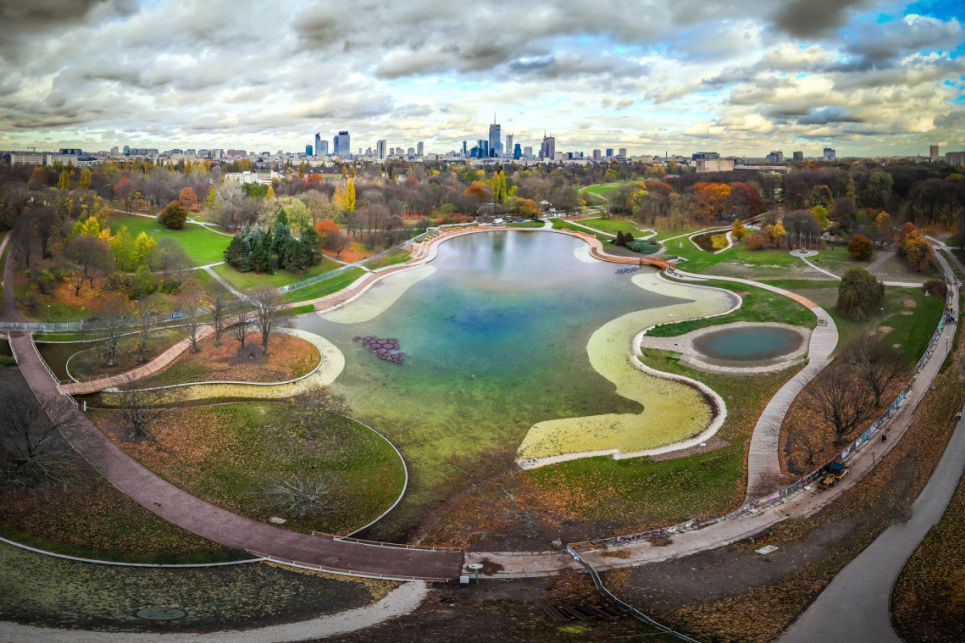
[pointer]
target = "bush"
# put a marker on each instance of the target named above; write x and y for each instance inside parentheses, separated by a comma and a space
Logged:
(760, 240)
(173, 216)
(860, 248)
(860, 295)
(169, 286)
(643, 247)
(142, 284)
(118, 281)
(718, 241)
(936, 287)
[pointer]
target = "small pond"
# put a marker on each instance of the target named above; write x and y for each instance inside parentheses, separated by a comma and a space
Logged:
(749, 343)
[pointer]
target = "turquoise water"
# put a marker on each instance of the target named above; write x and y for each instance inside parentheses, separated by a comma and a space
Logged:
(748, 344)
(495, 342)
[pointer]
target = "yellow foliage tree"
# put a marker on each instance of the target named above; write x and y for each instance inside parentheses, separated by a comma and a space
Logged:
(271, 192)
(144, 248)
(738, 230)
(350, 195)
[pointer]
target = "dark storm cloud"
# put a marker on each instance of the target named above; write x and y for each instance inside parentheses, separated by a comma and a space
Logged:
(815, 18)
(43, 15)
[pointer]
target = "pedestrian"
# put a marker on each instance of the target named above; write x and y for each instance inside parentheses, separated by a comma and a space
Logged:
(883, 437)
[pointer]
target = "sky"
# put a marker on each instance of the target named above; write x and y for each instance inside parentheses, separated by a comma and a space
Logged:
(867, 77)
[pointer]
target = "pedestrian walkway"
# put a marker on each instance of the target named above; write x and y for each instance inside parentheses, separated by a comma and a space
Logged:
(220, 526)
(897, 284)
(224, 282)
(9, 312)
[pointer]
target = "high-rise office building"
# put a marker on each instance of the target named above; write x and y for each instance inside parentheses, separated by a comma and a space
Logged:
(321, 148)
(419, 149)
(597, 155)
(465, 149)
(308, 150)
(933, 153)
(547, 150)
(342, 145)
(318, 143)
(528, 151)
(509, 145)
(483, 145)
(798, 156)
(410, 152)
(380, 150)
(830, 154)
(609, 152)
(623, 153)
(517, 153)
(127, 150)
(495, 139)
(776, 156)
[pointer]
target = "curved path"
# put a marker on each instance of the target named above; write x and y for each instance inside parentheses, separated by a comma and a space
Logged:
(223, 527)
(763, 457)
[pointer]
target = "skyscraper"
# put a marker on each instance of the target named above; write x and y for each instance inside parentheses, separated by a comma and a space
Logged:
(623, 152)
(596, 155)
(495, 139)
(933, 153)
(798, 155)
(547, 150)
(380, 150)
(829, 154)
(465, 150)
(321, 148)
(517, 153)
(318, 143)
(419, 149)
(308, 150)
(509, 145)
(609, 152)
(341, 145)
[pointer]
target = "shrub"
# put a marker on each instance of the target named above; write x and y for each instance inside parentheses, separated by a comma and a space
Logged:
(760, 240)
(860, 248)
(718, 241)
(169, 286)
(936, 287)
(118, 281)
(643, 246)
(142, 284)
(173, 216)
(860, 295)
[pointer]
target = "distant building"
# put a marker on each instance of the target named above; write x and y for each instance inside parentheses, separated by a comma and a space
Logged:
(597, 155)
(829, 154)
(715, 165)
(798, 156)
(509, 145)
(419, 149)
(623, 153)
(495, 143)
(955, 158)
(465, 150)
(308, 150)
(70, 151)
(321, 147)
(127, 150)
(380, 151)
(115, 151)
(517, 153)
(609, 152)
(696, 156)
(528, 151)
(933, 154)
(547, 150)
(410, 152)
(775, 157)
(342, 145)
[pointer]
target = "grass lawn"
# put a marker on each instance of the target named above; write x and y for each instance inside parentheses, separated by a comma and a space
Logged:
(245, 281)
(886, 266)
(666, 231)
(602, 190)
(614, 225)
(642, 493)
(325, 286)
(397, 257)
(526, 224)
(226, 454)
(202, 245)
(560, 224)
(758, 306)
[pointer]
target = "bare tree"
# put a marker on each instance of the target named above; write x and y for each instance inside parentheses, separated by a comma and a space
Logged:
(302, 495)
(193, 303)
(139, 409)
(270, 313)
(112, 314)
(218, 298)
(173, 260)
(146, 327)
(33, 453)
(91, 254)
(804, 443)
(837, 396)
(876, 362)
(242, 325)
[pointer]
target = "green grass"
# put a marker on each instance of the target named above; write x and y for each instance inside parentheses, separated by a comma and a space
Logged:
(245, 281)
(526, 224)
(202, 245)
(560, 224)
(301, 310)
(758, 306)
(397, 257)
(613, 226)
(911, 332)
(602, 190)
(668, 234)
(325, 286)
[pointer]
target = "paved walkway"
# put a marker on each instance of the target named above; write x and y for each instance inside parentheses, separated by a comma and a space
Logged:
(898, 284)
(9, 312)
(220, 526)
(224, 282)
(764, 455)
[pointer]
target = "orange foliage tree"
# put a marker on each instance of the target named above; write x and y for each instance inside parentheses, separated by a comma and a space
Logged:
(914, 248)
(479, 192)
(188, 199)
(711, 200)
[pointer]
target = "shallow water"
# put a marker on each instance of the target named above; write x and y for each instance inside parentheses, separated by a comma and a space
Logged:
(495, 342)
(748, 344)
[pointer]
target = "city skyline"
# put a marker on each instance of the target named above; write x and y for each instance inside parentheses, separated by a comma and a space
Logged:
(866, 77)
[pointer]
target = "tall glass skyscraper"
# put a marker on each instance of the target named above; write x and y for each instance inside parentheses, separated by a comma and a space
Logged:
(495, 139)
(342, 146)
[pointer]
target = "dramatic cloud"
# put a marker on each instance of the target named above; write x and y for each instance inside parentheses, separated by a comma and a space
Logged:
(872, 76)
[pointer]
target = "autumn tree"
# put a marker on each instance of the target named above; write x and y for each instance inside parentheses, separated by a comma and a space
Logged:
(63, 183)
(218, 298)
(112, 312)
(912, 246)
(860, 248)
(478, 192)
(85, 178)
(90, 256)
(350, 195)
(188, 199)
(174, 215)
(738, 230)
(38, 179)
(241, 325)
(139, 408)
(499, 187)
(146, 327)
(711, 200)
(124, 190)
(193, 302)
(744, 200)
(860, 295)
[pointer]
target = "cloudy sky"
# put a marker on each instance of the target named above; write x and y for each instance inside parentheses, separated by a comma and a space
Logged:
(868, 77)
